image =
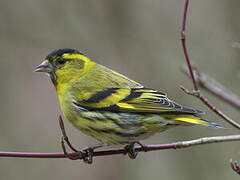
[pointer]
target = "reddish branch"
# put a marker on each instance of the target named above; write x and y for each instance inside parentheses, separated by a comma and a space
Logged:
(214, 87)
(175, 145)
(196, 91)
(183, 40)
(212, 107)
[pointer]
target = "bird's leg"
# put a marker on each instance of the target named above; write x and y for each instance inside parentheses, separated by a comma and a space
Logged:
(86, 154)
(68, 155)
(130, 149)
(64, 135)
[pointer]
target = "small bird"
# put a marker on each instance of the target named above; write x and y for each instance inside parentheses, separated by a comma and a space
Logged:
(110, 107)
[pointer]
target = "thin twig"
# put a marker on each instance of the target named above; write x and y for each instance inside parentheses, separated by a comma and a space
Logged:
(184, 46)
(205, 81)
(211, 106)
(175, 145)
(196, 92)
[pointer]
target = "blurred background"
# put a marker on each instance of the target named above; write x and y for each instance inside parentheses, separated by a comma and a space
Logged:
(140, 39)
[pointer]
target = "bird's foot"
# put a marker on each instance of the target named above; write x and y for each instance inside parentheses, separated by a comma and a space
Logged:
(86, 154)
(131, 151)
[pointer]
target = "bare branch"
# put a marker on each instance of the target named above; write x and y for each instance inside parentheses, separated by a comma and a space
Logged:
(184, 46)
(205, 81)
(175, 145)
(212, 107)
(196, 92)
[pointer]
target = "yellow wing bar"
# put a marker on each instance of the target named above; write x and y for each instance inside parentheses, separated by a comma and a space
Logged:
(139, 100)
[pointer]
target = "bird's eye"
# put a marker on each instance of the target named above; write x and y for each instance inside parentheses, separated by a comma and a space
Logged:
(61, 61)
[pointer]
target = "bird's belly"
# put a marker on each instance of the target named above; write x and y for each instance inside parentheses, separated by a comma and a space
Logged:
(115, 128)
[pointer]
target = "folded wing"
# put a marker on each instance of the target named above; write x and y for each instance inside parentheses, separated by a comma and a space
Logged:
(137, 100)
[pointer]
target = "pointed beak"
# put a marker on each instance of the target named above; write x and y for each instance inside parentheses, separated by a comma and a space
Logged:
(45, 66)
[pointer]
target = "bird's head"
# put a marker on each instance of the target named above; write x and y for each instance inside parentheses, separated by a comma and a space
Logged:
(64, 64)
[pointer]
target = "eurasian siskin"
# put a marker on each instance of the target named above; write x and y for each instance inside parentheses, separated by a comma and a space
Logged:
(108, 106)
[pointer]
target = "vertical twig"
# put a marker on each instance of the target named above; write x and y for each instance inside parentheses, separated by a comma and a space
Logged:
(196, 91)
(184, 46)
